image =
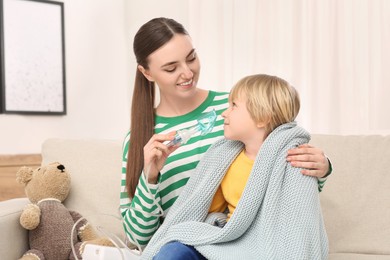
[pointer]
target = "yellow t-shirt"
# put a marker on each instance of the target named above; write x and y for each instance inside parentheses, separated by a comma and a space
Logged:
(232, 185)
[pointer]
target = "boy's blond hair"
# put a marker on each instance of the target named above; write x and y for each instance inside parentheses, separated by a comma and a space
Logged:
(269, 99)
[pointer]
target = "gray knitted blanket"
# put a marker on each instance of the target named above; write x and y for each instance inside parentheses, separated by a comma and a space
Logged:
(278, 216)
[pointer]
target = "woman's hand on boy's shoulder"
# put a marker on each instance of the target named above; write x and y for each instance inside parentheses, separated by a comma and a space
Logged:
(312, 160)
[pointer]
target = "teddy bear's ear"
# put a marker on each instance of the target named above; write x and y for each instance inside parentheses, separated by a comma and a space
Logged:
(24, 175)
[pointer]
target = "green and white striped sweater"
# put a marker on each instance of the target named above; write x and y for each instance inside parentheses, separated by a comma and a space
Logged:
(178, 168)
(174, 175)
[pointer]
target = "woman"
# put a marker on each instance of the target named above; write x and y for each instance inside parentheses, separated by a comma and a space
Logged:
(153, 174)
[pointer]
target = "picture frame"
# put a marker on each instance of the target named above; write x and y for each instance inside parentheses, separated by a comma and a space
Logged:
(33, 79)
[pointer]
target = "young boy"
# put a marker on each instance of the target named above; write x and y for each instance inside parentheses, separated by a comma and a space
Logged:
(273, 211)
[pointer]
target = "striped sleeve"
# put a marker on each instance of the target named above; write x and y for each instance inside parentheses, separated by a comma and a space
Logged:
(321, 181)
(141, 214)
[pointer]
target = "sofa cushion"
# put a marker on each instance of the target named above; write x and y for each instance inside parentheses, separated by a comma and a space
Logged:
(13, 239)
(356, 197)
(352, 256)
(95, 168)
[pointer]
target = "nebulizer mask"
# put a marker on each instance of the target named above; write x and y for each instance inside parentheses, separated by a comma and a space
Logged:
(204, 124)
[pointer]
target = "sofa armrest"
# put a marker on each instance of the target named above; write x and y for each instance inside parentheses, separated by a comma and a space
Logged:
(14, 238)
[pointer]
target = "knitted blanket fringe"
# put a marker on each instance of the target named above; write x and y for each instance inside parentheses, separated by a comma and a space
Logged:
(278, 215)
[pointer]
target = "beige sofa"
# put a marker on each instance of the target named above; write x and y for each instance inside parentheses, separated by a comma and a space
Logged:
(355, 201)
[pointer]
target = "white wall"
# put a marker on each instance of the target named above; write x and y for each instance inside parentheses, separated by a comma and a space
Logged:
(334, 52)
(100, 68)
(97, 47)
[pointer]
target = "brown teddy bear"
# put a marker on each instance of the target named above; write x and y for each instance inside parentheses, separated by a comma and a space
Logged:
(49, 222)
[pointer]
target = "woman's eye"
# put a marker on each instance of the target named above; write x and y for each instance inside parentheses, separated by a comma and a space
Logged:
(170, 70)
(192, 58)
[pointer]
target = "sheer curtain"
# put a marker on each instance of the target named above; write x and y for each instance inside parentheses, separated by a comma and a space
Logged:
(335, 52)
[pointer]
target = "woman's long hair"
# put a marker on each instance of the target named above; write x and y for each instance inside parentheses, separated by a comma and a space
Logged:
(150, 37)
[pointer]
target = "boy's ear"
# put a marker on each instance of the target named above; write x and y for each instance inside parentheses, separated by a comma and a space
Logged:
(145, 72)
(263, 123)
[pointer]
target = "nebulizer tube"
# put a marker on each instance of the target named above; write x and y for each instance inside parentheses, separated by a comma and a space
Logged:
(115, 240)
(204, 125)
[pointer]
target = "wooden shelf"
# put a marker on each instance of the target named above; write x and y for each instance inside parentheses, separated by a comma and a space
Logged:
(9, 165)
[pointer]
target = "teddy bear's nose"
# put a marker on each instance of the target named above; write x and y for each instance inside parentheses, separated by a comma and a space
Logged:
(61, 167)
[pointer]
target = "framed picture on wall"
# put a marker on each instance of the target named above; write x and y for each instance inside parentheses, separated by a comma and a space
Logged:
(32, 57)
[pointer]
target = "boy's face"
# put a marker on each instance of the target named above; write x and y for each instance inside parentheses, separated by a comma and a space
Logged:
(238, 124)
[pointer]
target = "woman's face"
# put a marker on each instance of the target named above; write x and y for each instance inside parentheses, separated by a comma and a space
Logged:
(174, 67)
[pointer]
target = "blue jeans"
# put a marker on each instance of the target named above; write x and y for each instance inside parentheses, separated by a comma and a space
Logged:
(176, 251)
